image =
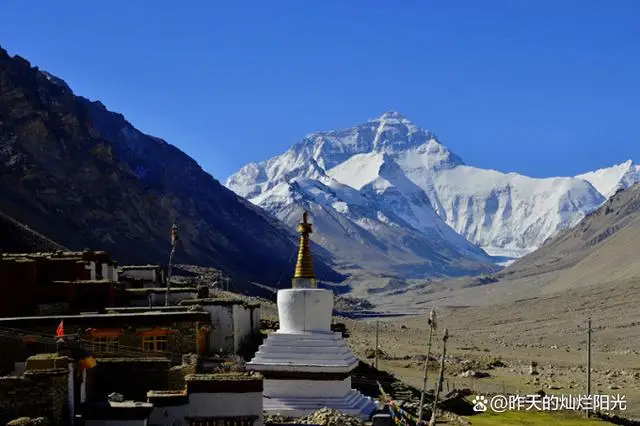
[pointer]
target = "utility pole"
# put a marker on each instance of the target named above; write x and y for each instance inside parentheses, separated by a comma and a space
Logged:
(588, 361)
(440, 379)
(377, 334)
(174, 241)
(432, 326)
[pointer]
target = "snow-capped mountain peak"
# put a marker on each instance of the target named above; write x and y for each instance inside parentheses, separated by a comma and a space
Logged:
(364, 204)
(392, 115)
(390, 192)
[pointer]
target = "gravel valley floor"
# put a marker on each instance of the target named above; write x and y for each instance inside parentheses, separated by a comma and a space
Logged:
(550, 330)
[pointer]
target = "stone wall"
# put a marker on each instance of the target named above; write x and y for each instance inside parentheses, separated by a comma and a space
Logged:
(40, 392)
(221, 336)
(242, 327)
(233, 321)
(178, 373)
(176, 380)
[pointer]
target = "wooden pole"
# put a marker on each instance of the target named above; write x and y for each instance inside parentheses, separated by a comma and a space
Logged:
(588, 361)
(377, 334)
(432, 324)
(166, 299)
(440, 379)
(174, 241)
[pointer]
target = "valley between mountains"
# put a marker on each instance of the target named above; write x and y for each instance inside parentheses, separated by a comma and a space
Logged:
(410, 222)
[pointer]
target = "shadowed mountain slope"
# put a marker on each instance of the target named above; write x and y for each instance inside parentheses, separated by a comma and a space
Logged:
(84, 177)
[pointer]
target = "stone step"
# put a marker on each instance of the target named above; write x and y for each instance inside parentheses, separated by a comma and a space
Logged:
(282, 360)
(352, 400)
(338, 362)
(343, 363)
(302, 368)
(304, 351)
(277, 354)
(296, 339)
(306, 342)
(309, 341)
(314, 335)
(350, 395)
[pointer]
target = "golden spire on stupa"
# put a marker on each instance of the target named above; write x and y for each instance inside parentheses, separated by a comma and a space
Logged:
(304, 276)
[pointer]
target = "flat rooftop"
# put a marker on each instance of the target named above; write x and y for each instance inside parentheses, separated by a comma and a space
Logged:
(228, 382)
(219, 301)
(225, 376)
(149, 290)
(138, 267)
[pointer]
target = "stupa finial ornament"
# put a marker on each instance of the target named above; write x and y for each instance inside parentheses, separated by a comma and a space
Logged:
(304, 276)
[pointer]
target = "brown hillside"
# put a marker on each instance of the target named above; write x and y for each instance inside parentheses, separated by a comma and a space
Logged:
(602, 248)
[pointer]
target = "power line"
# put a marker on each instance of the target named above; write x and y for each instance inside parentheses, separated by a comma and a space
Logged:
(49, 339)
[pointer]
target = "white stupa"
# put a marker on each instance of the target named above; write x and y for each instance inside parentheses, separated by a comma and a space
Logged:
(305, 365)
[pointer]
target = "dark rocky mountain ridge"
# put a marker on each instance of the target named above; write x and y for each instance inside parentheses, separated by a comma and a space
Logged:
(85, 177)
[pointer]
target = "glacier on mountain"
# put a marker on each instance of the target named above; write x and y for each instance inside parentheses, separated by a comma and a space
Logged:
(388, 195)
(609, 180)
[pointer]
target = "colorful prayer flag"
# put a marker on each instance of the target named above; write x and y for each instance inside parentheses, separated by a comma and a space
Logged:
(87, 363)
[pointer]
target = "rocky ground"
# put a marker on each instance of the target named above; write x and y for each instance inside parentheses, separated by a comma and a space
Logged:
(323, 417)
(501, 341)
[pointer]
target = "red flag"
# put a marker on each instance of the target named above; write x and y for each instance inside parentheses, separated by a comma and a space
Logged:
(60, 329)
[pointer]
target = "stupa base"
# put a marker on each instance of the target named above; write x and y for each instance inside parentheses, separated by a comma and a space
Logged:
(353, 403)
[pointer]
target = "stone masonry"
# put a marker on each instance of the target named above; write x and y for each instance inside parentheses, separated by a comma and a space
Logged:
(41, 392)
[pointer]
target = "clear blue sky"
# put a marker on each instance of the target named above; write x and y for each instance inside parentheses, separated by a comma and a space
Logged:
(540, 87)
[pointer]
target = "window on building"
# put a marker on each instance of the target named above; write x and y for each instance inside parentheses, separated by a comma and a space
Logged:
(157, 343)
(105, 340)
(106, 344)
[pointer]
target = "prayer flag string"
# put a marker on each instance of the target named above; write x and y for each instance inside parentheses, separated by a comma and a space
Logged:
(399, 415)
